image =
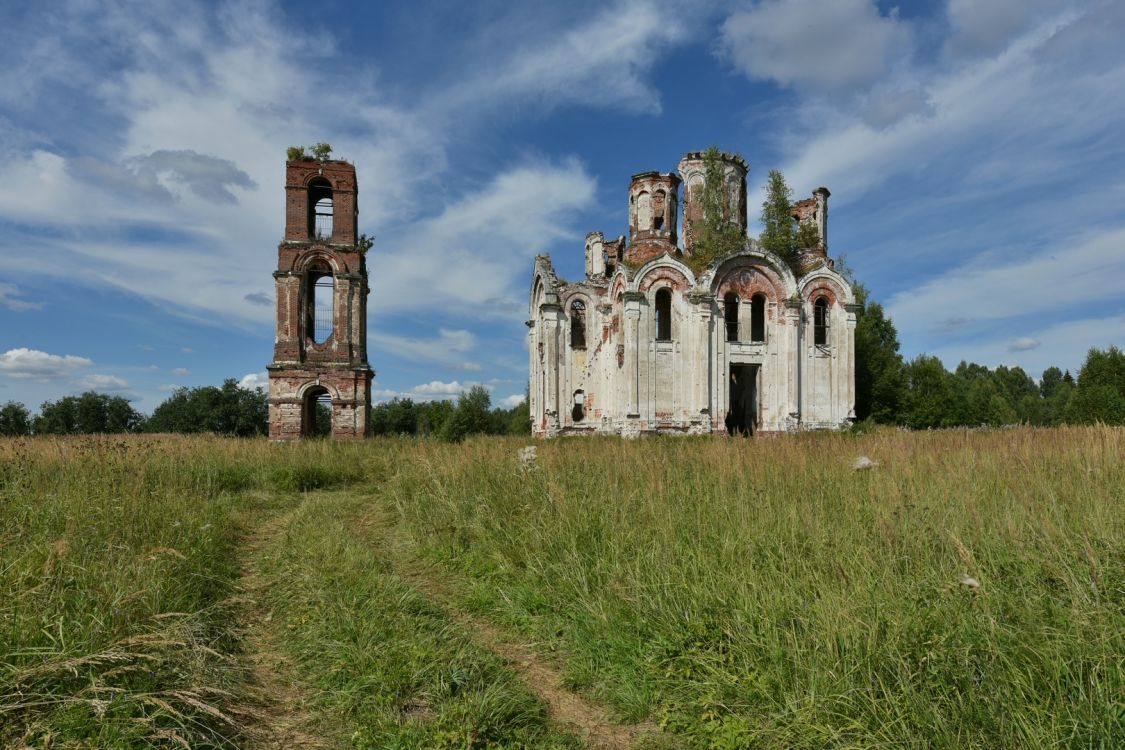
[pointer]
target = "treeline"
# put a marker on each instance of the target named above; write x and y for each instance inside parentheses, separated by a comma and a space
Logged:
(922, 394)
(244, 412)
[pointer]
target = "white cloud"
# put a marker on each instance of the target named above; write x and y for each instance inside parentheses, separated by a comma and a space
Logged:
(602, 62)
(104, 383)
(180, 371)
(1081, 268)
(1022, 344)
(1063, 344)
(10, 298)
(32, 363)
(435, 390)
(449, 345)
(809, 44)
(437, 387)
(467, 367)
(1001, 123)
(187, 350)
(511, 402)
(987, 26)
(254, 380)
(459, 259)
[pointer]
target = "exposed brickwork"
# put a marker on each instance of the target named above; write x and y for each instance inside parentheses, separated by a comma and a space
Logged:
(303, 368)
(652, 216)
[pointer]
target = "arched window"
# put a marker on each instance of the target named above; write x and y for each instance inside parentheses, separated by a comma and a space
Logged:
(320, 292)
(820, 322)
(730, 314)
(644, 212)
(320, 209)
(664, 315)
(658, 208)
(758, 318)
(578, 411)
(578, 324)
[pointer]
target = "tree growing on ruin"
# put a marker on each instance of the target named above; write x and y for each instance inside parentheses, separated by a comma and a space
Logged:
(717, 234)
(777, 235)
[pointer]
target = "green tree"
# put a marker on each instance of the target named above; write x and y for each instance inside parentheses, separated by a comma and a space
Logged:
(226, 410)
(519, 417)
(717, 233)
(929, 400)
(88, 414)
(471, 417)
(15, 420)
(395, 417)
(433, 415)
(777, 221)
(1049, 383)
(879, 379)
(1099, 395)
(1056, 404)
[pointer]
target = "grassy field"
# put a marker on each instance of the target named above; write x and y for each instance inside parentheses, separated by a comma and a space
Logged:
(735, 593)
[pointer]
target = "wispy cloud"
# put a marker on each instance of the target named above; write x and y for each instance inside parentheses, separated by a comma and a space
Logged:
(11, 298)
(812, 45)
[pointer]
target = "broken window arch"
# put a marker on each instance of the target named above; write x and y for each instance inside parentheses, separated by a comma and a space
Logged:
(320, 209)
(730, 315)
(578, 411)
(758, 318)
(659, 206)
(578, 324)
(820, 321)
(663, 315)
(320, 295)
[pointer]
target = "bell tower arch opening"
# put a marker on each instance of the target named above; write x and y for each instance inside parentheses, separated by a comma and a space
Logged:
(320, 379)
(320, 209)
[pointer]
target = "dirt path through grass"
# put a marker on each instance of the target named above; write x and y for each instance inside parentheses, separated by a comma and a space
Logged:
(283, 720)
(587, 720)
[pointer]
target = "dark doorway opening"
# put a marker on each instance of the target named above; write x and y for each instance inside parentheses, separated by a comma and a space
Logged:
(742, 416)
(317, 418)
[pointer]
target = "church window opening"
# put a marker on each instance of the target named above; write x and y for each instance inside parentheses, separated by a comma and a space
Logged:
(664, 315)
(321, 293)
(578, 324)
(320, 209)
(820, 322)
(658, 208)
(758, 318)
(730, 314)
(644, 212)
(578, 412)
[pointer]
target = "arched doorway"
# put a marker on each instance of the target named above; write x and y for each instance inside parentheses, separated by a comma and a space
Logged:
(742, 413)
(316, 413)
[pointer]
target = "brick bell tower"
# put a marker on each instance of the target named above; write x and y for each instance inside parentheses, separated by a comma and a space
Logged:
(320, 352)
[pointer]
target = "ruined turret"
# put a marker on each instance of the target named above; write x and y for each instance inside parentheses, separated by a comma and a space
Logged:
(652, 216)
(693, 173)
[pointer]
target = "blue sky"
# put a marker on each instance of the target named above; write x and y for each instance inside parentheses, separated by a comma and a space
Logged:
(973, 148)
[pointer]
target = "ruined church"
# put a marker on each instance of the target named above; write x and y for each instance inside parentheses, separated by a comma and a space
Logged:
(659, 338)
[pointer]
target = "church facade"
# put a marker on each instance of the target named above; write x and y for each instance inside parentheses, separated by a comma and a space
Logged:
(660, 337)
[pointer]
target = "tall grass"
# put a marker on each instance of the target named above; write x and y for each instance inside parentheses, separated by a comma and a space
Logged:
(118, 559)
(753, 593)
(763, 593)
(383, 661)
